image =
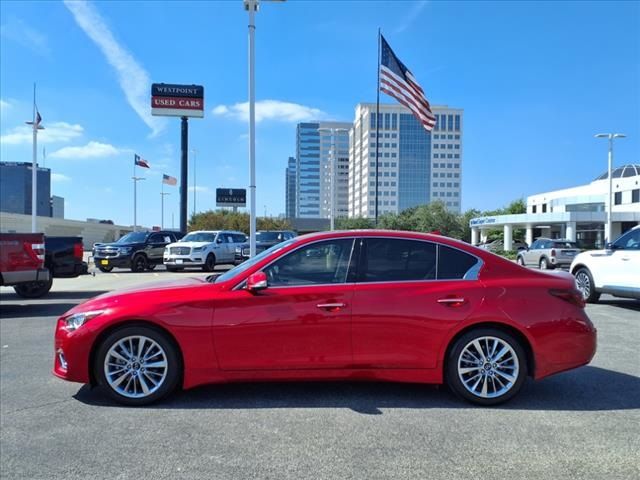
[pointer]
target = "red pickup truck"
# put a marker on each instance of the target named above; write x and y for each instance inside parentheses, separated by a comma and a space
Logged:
(22, 257)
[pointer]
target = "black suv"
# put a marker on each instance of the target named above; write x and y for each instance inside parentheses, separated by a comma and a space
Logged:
(138, 251)
(264, 239)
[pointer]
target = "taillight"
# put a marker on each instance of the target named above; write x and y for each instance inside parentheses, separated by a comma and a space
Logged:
(35, 251)
(572, 296)
(78, 251)
(553, 252)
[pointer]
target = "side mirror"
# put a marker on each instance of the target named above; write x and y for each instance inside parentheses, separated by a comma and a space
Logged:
(219, 240)
(257, 281)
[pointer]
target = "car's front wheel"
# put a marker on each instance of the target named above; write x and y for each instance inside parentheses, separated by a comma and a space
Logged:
(486, 366)
(209, 263)
(139, 263)
(584, 283)
(137, 365)
(104, 269)
(520, 261)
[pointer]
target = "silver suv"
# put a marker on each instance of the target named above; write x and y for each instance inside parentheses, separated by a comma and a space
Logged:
(549, 253)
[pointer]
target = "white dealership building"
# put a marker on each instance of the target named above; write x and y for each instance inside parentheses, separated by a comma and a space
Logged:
(578, 213)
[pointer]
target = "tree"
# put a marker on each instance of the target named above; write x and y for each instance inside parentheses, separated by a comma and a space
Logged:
(354, 223)
(227, 220)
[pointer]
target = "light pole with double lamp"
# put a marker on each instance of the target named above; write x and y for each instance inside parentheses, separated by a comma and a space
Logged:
(611, 137)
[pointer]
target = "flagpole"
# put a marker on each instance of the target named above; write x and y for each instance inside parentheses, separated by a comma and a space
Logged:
(34, 167)
(162, 205)
(377, 127)
(135, 196)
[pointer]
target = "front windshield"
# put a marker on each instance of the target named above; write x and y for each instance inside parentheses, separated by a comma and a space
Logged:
(134, 237)
(267, 236)
(234, 272)
(199, 237)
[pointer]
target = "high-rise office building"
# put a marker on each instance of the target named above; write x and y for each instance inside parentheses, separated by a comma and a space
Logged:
(290, 188)
(15, 189)
(415, 167)
(318, 144)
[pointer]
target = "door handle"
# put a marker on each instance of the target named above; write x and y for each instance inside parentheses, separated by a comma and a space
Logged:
(452, 302)
(331, 307)
(625, 259)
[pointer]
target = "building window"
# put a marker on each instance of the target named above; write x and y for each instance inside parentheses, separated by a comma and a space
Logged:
(387, 120)
(435, 184)
(449, 155)
(450, 146)
(437, 122)
(393, 155)
(394, 135)
(635, 195)
(456, 146)
(457, 137)
(544, 208)
(436, 136)
(450, 123)
(456, 175)
(394, 121)
(435, 175)
(533, 209)
(443, 121)
(617, 198)
(372, 121)
(456, 155)
(457, 123)
(435, 155)
(449, 165)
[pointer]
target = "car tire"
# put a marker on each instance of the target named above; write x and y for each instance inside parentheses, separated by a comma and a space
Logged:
(520, 261)
(586, 286)
(151, 266)
(209, 263)
(544, 264)
(33, 289)
(480, 379)
(146, 381)
(104, 269)
(139, 263)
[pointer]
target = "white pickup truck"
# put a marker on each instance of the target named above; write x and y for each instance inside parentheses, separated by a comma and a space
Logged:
(615, 270)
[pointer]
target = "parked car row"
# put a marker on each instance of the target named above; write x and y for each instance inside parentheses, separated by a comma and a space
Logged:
(143, 251)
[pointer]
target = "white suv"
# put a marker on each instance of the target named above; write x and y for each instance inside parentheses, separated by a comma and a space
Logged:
(615, 270)
(203, 249)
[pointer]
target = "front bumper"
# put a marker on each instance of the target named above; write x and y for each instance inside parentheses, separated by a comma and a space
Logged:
(72, 352)
(193, 260)
(120, 261)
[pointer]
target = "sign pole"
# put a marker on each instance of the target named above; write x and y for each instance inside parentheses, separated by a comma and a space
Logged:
(34, 167)
(252, 6)
(184, 144)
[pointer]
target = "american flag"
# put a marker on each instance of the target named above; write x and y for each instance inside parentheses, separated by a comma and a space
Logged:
(169, 180)
(397, 81)
(141, 162)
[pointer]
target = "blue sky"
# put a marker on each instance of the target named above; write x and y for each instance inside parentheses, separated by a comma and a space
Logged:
(536, 81)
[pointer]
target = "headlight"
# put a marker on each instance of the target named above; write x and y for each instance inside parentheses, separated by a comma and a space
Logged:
(75, 321)
(238, 249)
(198, 249)
(125, 250)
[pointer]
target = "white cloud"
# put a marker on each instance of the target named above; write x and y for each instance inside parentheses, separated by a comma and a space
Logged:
(411, 16)
(133, 78)
(200, 189)
(90, 150)
(56, 132)
(59, 178)
(271, 110)
(21, 33)
(5, 105)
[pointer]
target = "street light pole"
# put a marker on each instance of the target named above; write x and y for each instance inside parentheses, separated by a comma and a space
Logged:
(194, 152)
(610, 137)
(135, 201)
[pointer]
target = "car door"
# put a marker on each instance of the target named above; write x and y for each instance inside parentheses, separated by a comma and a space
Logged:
(408, 295)
(155, 246)
(622, 268)
(300, 321)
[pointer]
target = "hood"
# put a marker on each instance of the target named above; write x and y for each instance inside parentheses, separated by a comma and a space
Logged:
(189, 244)
(117, 245)
(114, 298)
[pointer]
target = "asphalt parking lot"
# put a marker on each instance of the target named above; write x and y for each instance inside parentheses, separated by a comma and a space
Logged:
(580, 424)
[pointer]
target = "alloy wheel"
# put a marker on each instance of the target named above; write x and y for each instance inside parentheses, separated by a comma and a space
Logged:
(488, 367)
(583, 283)
(135, 366)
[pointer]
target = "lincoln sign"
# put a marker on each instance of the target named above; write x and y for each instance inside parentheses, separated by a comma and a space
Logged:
(177, 100)
(231, 197)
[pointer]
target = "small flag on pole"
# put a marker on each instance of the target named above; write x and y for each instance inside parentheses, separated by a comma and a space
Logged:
(168, 180)
(141, 162)
(397, 81)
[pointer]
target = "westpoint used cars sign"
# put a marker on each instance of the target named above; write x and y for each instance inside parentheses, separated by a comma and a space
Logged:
(231, 197)
(177, 100)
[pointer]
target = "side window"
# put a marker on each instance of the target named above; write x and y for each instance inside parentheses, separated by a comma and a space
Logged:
(238, 238)
(629, 241)
(319, 263)
(388, 260)
(455, 264)
(156, 238)
(220, 238)
(229, 238)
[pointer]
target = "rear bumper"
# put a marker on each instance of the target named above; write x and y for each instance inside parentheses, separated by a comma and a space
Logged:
(26, 276)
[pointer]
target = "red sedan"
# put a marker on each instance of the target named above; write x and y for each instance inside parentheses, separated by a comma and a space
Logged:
(353, 305)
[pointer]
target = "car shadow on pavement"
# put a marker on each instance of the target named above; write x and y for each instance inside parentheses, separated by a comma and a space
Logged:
(585, 389)
(13, 306)
(628, 304)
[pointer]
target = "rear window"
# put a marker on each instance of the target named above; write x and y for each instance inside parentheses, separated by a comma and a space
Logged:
(565, 244)
(454, 264)
(389, 260)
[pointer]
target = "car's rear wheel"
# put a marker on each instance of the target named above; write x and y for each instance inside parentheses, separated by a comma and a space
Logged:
(544, 264)
(33, 289)
(209, 263)
(584, 283)
(486, 366)
(137, 365)
(104, 269)
(139, 263)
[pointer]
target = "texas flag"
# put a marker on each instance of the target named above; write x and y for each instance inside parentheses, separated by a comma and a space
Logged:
(141, 162)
